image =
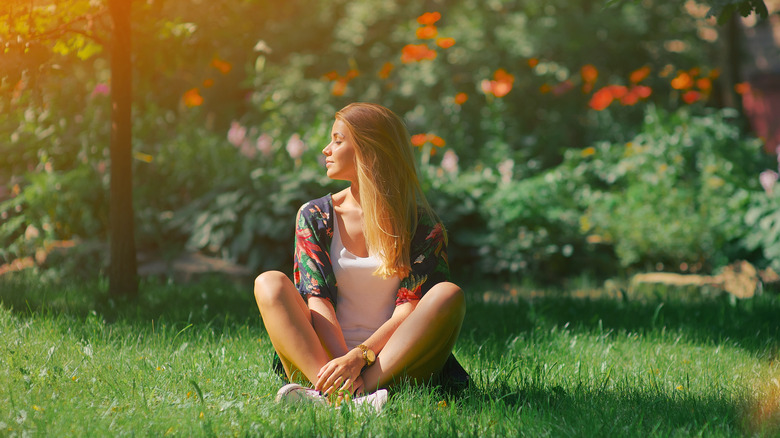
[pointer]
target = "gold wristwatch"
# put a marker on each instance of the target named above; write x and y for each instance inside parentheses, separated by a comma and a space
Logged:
(368, 355)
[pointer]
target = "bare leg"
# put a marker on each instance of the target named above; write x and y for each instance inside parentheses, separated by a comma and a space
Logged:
(287, 320)
(421, 344)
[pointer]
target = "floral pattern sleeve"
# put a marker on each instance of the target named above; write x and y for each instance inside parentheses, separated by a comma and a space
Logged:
(312, 269)
(429, 261)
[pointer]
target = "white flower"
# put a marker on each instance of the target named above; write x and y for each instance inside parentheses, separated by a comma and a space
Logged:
(236, 134)
(295, 147)
(264, 144)
(768, 180)
(449, 162)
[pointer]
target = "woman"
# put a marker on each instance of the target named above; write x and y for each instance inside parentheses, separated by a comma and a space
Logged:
(371, 303)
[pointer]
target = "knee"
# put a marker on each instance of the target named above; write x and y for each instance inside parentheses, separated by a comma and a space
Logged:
(269, 286)
(449, 298)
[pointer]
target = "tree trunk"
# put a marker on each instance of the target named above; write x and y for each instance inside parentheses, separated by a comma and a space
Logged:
(123, 272)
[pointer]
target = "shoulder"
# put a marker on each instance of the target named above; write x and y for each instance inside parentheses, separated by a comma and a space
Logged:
(429, 228)
(320, 209)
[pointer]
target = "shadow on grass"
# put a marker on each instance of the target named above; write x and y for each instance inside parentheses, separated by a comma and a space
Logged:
(753, 323)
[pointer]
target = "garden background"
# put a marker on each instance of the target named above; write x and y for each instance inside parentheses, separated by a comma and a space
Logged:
(562, 142)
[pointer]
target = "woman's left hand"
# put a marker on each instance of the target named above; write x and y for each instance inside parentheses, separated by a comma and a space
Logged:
(340, 373)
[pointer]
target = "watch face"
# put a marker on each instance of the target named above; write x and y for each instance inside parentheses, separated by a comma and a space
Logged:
(370, 356)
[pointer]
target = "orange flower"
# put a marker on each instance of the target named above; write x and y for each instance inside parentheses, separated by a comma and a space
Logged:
(694, 71)
(639, 75)
(192, 97)
(208, 83)
(601, 99)
(339, 87)
(427, 32)
(445, 43)
(384, 73)
(704, 84)
(631, 98)
(416, 53)
(461, 98)
(352, 74)
(589, 73)
(683, 81)
(587, 87)
(331, 75)
(691, 96)
(224, 67)
(501, 84)
(533, 62)
(545, 88)
(429, 18)
(642, 91)
(436, 140)
(742, 88)
(419, 139)
(714, 73)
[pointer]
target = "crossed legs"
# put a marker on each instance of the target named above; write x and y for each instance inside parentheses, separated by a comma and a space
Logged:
(417, 349)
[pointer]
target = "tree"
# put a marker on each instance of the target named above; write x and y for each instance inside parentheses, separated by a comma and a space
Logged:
(35, 34)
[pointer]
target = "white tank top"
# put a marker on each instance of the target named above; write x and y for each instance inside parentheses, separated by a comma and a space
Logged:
(364, 301)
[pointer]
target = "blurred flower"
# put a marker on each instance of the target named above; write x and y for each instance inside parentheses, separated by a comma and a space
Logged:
(429, 18)
(339, 87)
(533, 62)
(449, 162)
(631, 98)
(427, 32)
(682, 81)
(436, 140)
(714, 73)
(618, 91)
(768, 179)
(461, 98)
(419, 139)
(236, 134)
(639, 75)
(247, 149)
(704, 84)
(742, 88)
(589, 73)
(295, 147)
(224, 67)
(505, 169)
(545, 88)
(445, 43)
(694, 71)
(501, 84)
(416, 53)
(101, 89)
(601, 99)
(691, 96)
(208, 83)
(140, 156)
(192, 97)
(31, 233)
(588, 151)
(384, 73)
(264, 144)
(642, 91)
(351, 74)
(562, 87)
(331, 75)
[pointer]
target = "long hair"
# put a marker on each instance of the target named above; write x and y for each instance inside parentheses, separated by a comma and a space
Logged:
(389, 189)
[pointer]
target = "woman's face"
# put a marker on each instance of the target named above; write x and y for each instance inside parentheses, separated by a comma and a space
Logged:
(340, 154)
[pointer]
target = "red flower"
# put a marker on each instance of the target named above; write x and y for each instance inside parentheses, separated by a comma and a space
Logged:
(386, 69)
(533, 62)
(642, 91)
(589, 73)
(416, 53)
(691, 96)
(419, 139)
(501, 84)
(461, 98)
(307, 246)
(639, 75)
(601, 99)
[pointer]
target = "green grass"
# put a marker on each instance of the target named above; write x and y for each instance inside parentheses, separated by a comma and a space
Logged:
(195, 361)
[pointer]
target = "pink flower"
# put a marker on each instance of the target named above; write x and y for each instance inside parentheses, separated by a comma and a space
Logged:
(247, 150)
(768, 180)
(449, 162)
(101, 89)
(236, 134)
(295, 147)
(505, 169)
(264, 144)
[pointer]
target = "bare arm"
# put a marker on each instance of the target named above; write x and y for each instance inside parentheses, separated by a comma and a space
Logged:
(344, 370)
(327, 327)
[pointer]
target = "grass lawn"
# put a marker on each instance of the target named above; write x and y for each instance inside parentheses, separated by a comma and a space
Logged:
(195, 360)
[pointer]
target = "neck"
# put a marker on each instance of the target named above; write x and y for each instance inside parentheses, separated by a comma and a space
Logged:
(354, 192)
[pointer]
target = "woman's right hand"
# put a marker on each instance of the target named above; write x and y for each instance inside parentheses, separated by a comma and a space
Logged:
(341, 373)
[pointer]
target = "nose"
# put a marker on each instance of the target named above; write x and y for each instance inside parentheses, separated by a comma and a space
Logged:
(326, 150)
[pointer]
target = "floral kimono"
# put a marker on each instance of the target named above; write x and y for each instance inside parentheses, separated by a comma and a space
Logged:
(313, 273)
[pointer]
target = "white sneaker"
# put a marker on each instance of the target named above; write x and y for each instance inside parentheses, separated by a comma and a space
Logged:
(293, 392)
(376, 400)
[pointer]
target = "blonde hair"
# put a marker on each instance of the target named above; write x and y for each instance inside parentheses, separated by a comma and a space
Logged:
(389, 189)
